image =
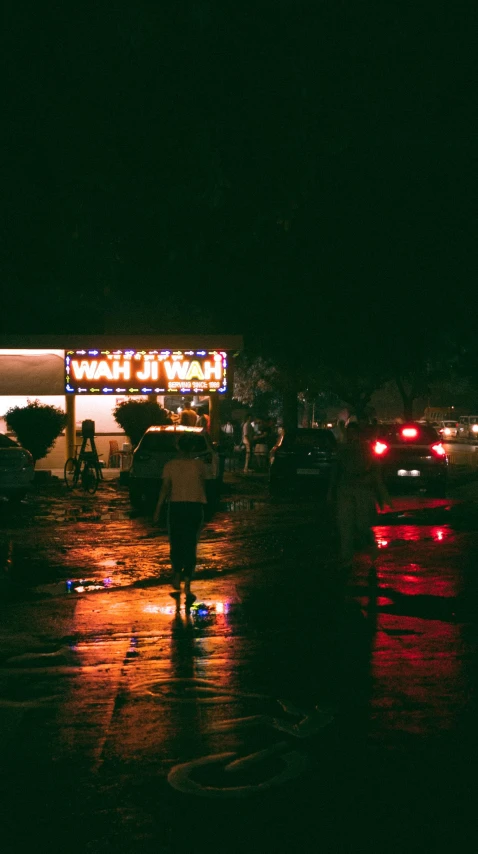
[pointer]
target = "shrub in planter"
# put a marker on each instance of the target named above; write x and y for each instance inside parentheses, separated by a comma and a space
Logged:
(36, 426)
(135, 416)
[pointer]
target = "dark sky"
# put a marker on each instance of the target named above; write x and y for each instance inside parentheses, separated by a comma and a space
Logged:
(277, 168)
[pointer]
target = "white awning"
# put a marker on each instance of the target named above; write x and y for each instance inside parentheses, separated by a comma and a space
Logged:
(34, 373)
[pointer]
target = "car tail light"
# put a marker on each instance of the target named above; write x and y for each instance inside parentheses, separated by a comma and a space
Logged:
(380, 448)
(439, 450)
(409, 432)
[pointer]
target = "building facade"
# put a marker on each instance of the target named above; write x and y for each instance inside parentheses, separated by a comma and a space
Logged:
(88, 376)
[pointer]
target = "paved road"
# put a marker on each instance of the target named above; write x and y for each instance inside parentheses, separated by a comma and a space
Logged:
(289, 709)
(460, 446)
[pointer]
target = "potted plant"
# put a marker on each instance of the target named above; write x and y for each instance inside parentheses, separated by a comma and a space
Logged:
(36, 426)
(135, 416)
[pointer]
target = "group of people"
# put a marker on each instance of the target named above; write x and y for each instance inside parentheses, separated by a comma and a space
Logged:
(255, 437)
(258, 437)
(355, 490)
(190, 418)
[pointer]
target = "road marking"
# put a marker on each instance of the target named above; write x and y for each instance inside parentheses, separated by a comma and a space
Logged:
(180, 777)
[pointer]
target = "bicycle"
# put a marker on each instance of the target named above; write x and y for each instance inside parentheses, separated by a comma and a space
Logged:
(82, 468)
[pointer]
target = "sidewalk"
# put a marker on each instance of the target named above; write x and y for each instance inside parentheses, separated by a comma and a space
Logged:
(107, 474)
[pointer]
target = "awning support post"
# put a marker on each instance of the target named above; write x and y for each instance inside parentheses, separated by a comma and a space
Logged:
(70, 426)
(215, 418)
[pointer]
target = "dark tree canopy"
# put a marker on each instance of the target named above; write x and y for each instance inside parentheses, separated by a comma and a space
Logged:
(301, 175)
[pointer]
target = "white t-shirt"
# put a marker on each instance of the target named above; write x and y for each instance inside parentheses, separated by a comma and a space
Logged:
(187, 478)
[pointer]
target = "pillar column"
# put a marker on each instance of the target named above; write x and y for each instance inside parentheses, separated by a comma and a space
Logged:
(215, 417)
(70, 432)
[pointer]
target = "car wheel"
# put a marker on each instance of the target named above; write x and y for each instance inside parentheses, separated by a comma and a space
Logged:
(438, 490)
(275, 486)
(136, 499)
(214, 492)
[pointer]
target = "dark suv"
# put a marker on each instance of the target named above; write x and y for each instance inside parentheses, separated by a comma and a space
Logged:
(411, 455)
(302, 456)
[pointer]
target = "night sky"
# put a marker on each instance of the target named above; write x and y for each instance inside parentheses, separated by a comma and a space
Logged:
(297, 172)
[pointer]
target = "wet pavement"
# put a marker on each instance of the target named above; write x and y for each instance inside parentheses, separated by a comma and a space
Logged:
(289, 709)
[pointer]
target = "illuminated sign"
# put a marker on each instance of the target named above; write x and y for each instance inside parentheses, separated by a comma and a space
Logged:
(145, 371)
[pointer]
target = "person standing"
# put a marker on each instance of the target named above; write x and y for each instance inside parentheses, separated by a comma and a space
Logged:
(356, 487)
(204, 420)
(184, 485)
(339, 431)
(188, 416)
(248, 435)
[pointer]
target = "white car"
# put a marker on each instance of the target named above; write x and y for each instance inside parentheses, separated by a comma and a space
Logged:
(158, 445)
(448, 430)
(17, 469)
(468, 427)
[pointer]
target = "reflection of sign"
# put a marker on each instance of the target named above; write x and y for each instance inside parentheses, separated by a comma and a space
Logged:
(145, 372)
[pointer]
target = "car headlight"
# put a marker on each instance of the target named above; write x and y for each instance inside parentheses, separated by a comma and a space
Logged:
(447, 431)
(474, 428)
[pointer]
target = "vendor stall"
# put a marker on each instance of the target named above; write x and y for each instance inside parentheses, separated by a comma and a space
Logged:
(89, 376)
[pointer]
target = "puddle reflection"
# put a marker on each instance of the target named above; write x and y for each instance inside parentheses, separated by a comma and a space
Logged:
(385, 535)
(207, 608)
(87, 585)
(75, 514)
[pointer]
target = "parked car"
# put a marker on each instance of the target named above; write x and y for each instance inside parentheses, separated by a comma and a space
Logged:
(16, 469)
(157, 446)
(305, 455)
(412, 455)
(448, 430)
(468, 427)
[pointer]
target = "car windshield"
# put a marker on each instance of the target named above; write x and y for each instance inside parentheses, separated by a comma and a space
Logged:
(394, 434)
(449, 423)
(6, 442)
(324, 440)
(167, 443)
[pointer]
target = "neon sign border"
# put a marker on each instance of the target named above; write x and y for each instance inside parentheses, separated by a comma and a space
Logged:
(131, 353)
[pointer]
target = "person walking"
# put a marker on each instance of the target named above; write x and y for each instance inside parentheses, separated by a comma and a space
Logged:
(248, 435)
(355, 489)
(184, 486)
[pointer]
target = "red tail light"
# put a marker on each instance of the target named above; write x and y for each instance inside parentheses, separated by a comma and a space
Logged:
(380, 448)
(439, 450)
(409, 432)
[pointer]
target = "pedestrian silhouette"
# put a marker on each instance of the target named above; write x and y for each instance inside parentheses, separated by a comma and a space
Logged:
(184, 486)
